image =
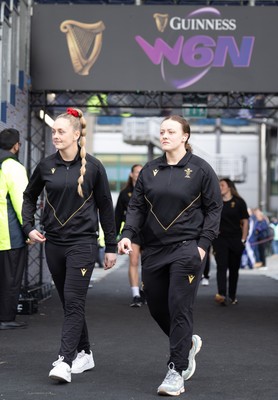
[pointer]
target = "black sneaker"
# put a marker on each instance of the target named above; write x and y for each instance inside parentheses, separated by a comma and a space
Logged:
(143, 297)
(136, 302)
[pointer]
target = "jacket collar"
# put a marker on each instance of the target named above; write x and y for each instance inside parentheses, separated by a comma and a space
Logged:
(60, 161)
(181, 163)
(5, 154)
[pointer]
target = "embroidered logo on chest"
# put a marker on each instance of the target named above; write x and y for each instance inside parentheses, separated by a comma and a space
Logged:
(155, 171)
(188, 172)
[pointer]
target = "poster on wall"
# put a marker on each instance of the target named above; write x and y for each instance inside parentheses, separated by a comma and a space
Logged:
(154, 48)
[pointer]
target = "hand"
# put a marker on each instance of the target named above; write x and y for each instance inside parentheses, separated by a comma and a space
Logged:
(36, 236)
(29, 242)
(124, 246)
(109, 260)
(202, 253)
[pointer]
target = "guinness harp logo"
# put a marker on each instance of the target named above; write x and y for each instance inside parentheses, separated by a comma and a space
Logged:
(161, 21)
(84, 43)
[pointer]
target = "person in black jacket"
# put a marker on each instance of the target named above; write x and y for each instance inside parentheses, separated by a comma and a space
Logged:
(176, 206)
(134, 256)
(76, 192)
(230, 243)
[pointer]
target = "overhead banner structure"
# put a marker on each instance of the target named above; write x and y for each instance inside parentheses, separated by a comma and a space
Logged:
(154, 48)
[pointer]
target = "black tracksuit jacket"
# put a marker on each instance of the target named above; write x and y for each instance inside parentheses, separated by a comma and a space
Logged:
(69, 219)
(173, 203)
(121, 206)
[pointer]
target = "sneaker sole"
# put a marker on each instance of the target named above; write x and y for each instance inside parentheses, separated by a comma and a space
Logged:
(80, 371)
(59, 378)
(200, 343)
(192, 371)
(166, 393)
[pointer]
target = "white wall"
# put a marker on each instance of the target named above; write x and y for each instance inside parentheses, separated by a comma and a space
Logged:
(239, 145)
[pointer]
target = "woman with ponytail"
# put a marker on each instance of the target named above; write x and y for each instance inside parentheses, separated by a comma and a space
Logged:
(176, 206)
(77, 195)
(230, 243)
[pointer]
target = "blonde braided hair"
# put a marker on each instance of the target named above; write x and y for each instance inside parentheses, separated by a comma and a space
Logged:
(77, 120)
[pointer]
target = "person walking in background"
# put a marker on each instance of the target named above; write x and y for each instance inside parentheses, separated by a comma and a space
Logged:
(76, 193)
(230, 243)
(205, 277)
(274, 226)
(248, 258)
(176, 206)
(134, 256)
(13, 249)
(261, 233)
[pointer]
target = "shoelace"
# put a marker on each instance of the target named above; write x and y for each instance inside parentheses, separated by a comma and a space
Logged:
(171, 374)
(60, 359)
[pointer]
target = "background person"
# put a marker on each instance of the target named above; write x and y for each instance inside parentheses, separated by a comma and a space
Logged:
(248, 258)
(76, 192)
(134, 256)
(274, 226)
(230, 243)
(262, 240)
(176, 205)
(13, 249)
(206, 276)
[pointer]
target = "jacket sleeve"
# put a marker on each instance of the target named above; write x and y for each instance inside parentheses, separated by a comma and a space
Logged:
(30, 198)
(106, 210)
(212, 207)
(119, 213)
(16, 178)
(136, 211)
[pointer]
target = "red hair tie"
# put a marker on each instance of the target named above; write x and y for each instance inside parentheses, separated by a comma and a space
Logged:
(73, 112)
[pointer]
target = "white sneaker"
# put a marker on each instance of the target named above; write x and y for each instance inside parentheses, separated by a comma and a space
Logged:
(196, 347)
(61, 371)
(82, 362)
(173, 384)
(205, 282)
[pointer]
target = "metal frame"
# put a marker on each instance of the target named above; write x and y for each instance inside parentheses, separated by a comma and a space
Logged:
(50, 101)
(262, 106)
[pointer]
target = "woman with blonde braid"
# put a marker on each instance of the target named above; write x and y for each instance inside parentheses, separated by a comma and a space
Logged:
(76, 192)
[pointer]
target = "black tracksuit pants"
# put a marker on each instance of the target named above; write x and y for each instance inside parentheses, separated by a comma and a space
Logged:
(12, 265)
(71, 268)
(227, 253)
(171, 275)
